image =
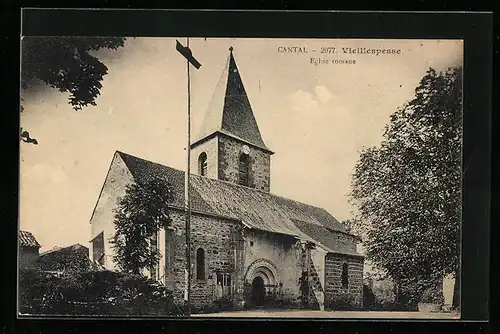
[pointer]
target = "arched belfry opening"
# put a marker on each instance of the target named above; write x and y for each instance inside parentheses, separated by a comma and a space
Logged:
(244, 169)
(202, 164)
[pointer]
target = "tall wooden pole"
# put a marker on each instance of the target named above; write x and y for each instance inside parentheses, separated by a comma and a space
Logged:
(186, 190)
(186, 52)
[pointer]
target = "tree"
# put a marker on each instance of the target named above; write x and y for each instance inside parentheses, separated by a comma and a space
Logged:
(66, 64)
(140, 215)
(407, 191)
(348, 224)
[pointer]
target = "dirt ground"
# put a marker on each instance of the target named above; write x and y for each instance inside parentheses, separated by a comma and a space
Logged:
(330, 314)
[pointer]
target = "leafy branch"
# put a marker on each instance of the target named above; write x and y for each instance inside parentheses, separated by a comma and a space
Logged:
(66, 64)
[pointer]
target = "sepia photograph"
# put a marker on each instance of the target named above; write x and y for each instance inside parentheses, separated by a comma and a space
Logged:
(240, 177)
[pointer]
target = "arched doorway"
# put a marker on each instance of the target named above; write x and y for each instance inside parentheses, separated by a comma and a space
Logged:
(258, 291)
(262, 280)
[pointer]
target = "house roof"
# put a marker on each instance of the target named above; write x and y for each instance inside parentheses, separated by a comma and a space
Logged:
(256, 209)
(323, 236)
(60, 259)
(27, 239)
(75, 247)
(229, 111)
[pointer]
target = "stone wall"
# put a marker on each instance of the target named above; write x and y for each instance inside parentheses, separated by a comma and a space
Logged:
(283, 252)
(28, 257)
(333, 279)
(229, 153)
(210, 149)
(348, 241)
(217, 237)
(103, 216)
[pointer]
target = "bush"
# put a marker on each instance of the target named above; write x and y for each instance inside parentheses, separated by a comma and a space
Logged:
(383, 306)
(343, 302)
(384, 291)
(223, 304)
(380, 299)
(432, 296)
(368, 298)
(93, 293)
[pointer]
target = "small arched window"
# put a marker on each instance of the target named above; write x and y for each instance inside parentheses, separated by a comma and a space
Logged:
(243, 169)
(345, 275)
(202, 164)
(200, 264)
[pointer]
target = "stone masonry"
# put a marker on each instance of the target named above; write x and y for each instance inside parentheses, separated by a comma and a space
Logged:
(229, 153)
(210, 148)
(283, 255)
(252, 241)
(216, 238)
(230, 250)
(333, 279)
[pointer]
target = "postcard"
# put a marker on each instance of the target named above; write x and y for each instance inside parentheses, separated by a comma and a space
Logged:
(240, 177)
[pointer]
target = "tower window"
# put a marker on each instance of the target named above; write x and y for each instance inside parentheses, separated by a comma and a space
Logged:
(200, 264)
(243, 169)
(202, 164)
(345, 276)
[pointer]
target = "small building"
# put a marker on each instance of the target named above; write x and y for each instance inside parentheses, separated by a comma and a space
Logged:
(29, 250)
(248, 245)
(69, 258)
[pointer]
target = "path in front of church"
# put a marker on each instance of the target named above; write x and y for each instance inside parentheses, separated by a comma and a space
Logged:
(328, 314)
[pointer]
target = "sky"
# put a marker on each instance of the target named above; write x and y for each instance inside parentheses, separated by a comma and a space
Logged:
(315, 118)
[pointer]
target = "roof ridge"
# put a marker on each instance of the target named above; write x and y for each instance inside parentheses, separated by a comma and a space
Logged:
(230, 109)
(226, 182)
(259, 209)
(28, 239)
(195, 175)
(58, 248)
(262, 147)
(212, 114)
(150, 161)
(53, 249)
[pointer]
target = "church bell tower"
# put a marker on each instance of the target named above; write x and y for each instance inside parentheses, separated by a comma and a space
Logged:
(230, 146)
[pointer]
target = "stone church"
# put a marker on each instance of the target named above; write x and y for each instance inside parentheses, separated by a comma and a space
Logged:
(248, 246)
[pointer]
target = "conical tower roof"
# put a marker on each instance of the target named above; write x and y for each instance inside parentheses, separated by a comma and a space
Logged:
(230, 111)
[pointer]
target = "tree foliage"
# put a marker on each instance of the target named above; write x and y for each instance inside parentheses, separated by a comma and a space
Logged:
(407, 191)
(140, 214)
(66, 64)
